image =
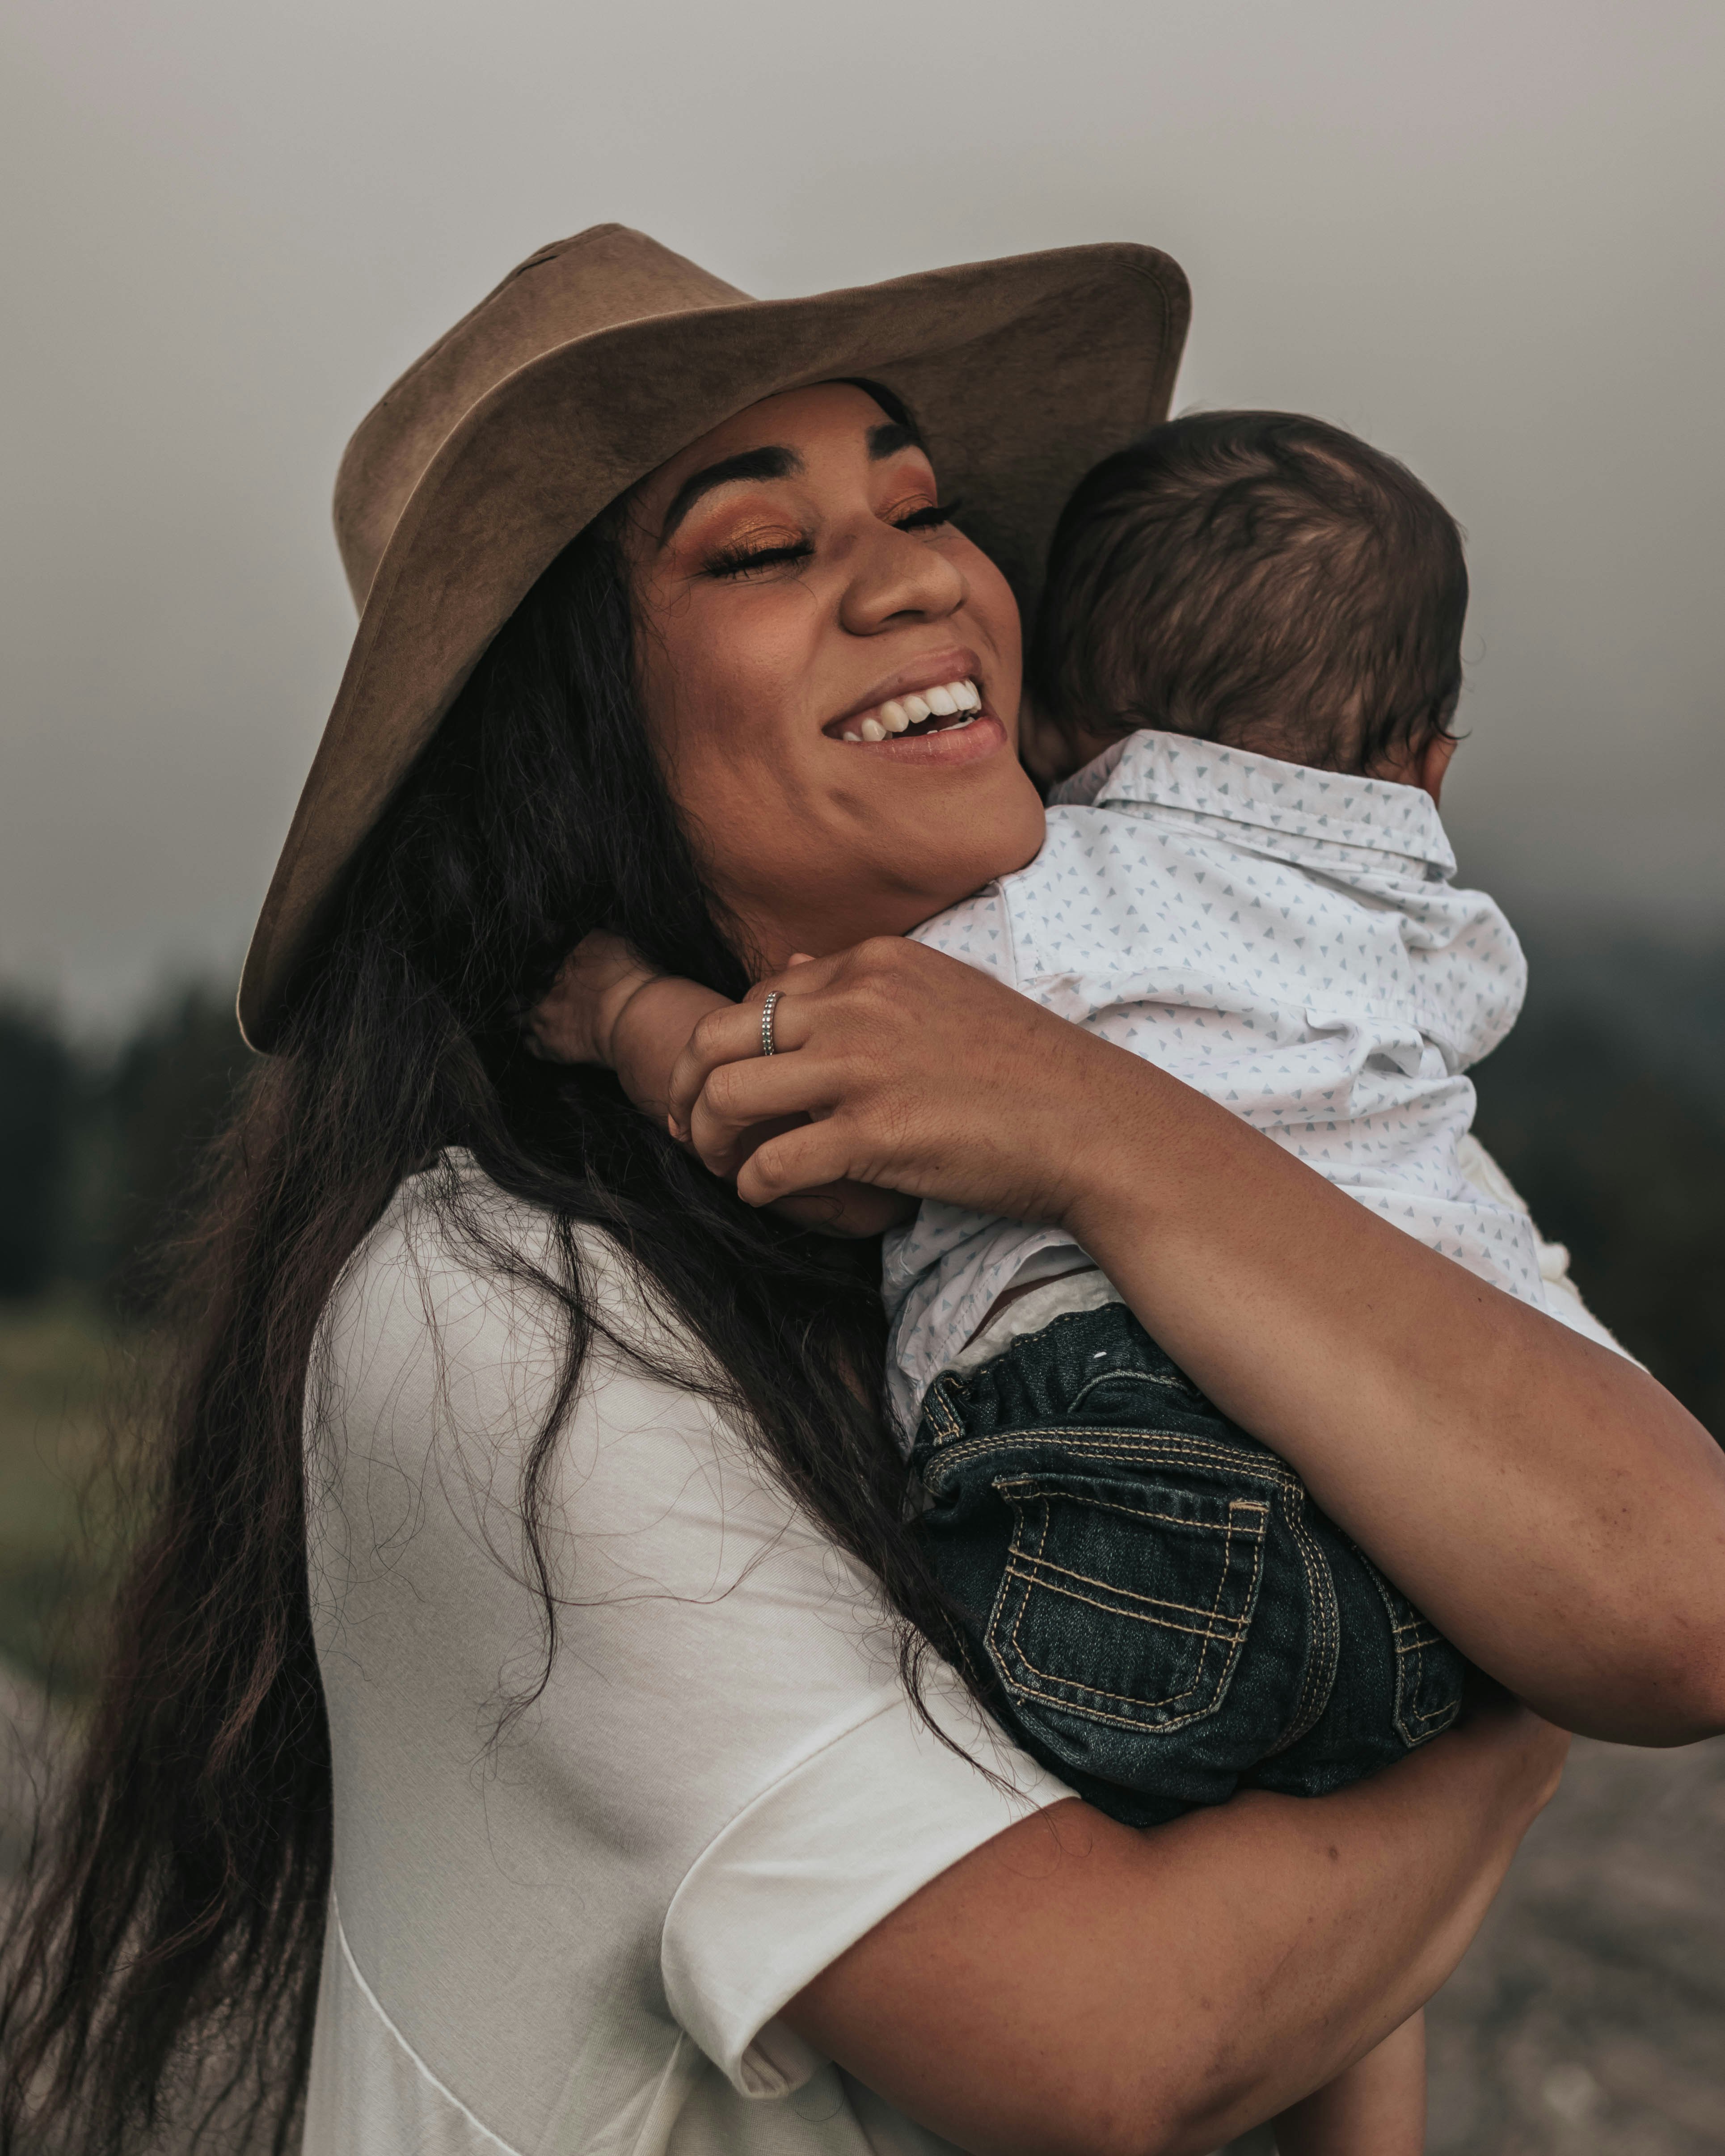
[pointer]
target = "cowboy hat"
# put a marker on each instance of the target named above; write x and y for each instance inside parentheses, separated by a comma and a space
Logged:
(596, 360)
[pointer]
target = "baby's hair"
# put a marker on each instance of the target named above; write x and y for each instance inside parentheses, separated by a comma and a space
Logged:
(1256, 578)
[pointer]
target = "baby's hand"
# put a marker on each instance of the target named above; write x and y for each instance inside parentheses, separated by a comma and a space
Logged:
(576, 1022)
(608, 1006)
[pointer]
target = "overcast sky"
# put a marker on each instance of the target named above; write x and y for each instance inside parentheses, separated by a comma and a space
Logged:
(1486, 235)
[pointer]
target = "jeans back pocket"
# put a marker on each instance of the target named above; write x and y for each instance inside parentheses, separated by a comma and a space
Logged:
(1125, 1602)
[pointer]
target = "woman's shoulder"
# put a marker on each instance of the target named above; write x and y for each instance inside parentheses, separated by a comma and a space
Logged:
(450, 1218)
(472, 1290)
(460, 1238)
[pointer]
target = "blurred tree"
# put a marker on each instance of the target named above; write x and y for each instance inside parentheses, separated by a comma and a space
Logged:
(1623, 1161)
(153, 1114)
(37, 1082)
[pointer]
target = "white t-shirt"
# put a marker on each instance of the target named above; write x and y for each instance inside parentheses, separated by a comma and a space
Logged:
(578, 1939)
(1287, 942)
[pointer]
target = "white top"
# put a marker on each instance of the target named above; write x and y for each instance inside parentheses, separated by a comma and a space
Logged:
(578, 1939)
(1286, 941)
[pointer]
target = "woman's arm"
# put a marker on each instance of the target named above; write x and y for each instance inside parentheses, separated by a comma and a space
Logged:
(1076, 1985)
(1547, 1504)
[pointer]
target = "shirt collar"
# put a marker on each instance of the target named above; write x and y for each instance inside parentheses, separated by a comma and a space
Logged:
(1291, 800)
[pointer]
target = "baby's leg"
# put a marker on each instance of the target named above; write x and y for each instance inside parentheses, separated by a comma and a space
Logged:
(1376, 2108)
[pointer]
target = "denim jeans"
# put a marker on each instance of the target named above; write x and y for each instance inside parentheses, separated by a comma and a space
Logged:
(1160, 1610)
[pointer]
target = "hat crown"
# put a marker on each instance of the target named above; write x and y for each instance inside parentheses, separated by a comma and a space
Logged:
(574, 288)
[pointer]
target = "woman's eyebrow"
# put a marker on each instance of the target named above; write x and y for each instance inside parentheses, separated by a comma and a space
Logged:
(887, 440)
(749, 463)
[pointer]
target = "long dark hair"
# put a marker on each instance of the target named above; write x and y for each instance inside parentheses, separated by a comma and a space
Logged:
(164, 1964)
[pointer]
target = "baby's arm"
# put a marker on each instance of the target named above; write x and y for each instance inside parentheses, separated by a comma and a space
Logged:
(608, 1007)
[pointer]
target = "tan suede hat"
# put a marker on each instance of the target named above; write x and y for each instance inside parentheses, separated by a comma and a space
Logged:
(590, 365)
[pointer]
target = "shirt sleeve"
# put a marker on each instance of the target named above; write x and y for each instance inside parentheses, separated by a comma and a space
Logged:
(820, 1859)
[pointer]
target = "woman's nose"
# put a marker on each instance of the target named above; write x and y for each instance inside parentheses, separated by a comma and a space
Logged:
(898, 573)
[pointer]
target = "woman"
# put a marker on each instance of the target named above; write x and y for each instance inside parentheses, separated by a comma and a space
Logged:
(650, 1825)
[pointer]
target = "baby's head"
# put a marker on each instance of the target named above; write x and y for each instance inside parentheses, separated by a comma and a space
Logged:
(1256, 578)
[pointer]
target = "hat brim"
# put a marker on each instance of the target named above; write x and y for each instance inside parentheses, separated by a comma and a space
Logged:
(1021, 374)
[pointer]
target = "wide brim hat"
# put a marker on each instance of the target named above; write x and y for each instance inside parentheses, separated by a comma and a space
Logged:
(598, 359)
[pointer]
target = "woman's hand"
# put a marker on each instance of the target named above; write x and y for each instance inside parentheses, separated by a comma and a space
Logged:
(1546, 1503)
(918, 1074)
(608, 1006)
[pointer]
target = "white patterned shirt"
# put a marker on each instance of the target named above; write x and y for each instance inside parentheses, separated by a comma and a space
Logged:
(1286, 941)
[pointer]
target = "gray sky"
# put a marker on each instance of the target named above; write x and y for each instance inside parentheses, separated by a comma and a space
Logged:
(1486, 235)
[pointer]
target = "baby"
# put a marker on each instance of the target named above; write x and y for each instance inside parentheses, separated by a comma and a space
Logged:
(1249, 646)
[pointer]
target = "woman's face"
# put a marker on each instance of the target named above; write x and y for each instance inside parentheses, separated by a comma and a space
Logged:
(799, 595)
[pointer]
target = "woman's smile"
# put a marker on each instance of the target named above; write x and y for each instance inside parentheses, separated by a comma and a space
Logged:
(829, 672)
(961, 737)
(923, 712)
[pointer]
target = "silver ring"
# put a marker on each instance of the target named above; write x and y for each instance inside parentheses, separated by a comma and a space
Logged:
(767, 1046)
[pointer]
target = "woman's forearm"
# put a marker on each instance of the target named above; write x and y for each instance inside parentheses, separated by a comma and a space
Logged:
(1076, 1986)
(1546, 1503)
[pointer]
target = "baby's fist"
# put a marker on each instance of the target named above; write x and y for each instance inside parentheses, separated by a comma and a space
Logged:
(576, 1019)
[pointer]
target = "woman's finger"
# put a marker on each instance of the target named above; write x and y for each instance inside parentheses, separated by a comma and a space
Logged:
(733, 1035)
(804, 1158)
(721, 1037)
(737, 1098)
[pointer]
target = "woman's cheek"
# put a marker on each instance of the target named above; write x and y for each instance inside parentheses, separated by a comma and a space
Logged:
(996, 612)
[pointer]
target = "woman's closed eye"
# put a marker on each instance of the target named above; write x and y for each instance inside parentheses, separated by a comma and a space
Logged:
(762, 552)
(755, 554)
(929, 518)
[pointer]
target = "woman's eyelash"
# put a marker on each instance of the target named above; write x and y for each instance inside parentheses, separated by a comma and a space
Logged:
(733, 561)
(926, 519)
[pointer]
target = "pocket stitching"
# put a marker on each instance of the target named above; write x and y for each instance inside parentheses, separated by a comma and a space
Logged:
(1237, 1626)
(1136, 1445)
(1325, 1657)
(1227, 1528)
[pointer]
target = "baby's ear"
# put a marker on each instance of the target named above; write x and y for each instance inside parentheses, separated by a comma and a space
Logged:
(1043, 749)
(1434, 763)
(1049, 752)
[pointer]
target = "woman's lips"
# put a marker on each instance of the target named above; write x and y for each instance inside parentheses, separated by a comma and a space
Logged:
(980, 734)
(949, 706)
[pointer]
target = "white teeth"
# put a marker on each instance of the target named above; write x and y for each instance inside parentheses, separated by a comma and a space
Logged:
(950, 699)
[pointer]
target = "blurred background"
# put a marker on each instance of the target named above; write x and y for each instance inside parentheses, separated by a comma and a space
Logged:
(1486, 237)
